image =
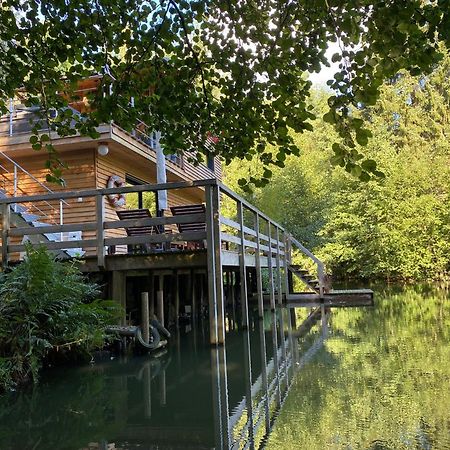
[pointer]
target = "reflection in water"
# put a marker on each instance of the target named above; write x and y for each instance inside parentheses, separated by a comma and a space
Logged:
(381, 381)
(189, 397)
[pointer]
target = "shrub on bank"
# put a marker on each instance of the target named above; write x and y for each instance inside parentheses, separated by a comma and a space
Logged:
(47, 306)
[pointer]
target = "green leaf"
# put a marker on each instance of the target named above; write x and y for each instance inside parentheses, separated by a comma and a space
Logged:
(369, 165)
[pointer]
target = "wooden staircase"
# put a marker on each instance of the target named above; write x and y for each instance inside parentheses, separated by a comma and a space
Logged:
(303, 275)
(319, 289)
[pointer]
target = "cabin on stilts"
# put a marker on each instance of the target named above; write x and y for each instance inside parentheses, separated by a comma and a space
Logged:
(208, 253)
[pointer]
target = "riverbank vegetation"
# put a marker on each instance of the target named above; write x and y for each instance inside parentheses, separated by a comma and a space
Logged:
(391, 228)
(47, 308)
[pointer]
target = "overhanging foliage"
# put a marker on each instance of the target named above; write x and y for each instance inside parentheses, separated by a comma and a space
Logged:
(233, 69)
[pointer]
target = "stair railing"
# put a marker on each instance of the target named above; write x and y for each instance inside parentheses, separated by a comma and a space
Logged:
(16, 188)
(321, 273)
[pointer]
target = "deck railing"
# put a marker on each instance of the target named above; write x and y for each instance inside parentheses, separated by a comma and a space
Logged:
(236, 234)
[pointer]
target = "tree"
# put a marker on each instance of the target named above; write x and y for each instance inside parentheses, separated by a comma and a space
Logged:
(392, 228)
(233, 69)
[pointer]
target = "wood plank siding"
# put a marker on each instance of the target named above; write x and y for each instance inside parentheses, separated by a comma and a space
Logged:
(127, 156)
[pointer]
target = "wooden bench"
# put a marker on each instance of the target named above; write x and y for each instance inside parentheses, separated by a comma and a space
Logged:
(184, 210)
(130, 214)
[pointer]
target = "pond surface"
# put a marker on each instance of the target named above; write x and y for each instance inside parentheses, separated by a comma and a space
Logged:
(361, 379)
(381, 381)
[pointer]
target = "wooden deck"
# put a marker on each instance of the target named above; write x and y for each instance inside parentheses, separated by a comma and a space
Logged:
(242, 251)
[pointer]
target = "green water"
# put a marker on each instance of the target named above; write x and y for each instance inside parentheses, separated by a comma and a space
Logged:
(367, 379)
(381, 381)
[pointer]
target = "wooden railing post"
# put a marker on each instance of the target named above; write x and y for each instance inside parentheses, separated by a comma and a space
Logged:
(6, 219)
(100, 212)
(214, 263)
(269, 265)
(218, 264)
(258, 269)
(212, 299)
(287, 261)
(242, 266)
(279, 285)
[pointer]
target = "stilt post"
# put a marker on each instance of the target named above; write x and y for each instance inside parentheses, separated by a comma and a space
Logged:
(160, 300)
(145, 314)
(177, 298)
(151, 295)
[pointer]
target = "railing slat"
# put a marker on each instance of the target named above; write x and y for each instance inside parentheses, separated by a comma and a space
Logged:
(25, 231)
(57, 245)
(156, 221)
(108, 191)
(157, 238)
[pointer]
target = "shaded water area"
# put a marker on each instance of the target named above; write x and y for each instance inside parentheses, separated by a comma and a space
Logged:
(369, 378)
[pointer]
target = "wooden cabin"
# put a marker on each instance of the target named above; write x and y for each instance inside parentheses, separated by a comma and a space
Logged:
(130, 156)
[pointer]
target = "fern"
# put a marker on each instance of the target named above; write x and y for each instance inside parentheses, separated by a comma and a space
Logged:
(47, 305)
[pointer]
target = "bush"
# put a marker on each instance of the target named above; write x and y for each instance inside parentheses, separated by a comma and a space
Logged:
(47, 306)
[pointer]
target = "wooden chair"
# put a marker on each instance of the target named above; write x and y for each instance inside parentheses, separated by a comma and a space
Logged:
(129, 214)
(190, 226)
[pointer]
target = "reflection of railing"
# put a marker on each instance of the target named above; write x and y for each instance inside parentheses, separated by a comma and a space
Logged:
(249, 423)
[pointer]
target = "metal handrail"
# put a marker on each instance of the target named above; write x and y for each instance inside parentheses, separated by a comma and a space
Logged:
(16, 166)
(28, 173)
(321, 273)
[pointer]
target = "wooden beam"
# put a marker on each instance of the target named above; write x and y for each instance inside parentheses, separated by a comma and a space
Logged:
(154, 261)
(109, 191)
(84, 243)
(21, 231)
(338, 298)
